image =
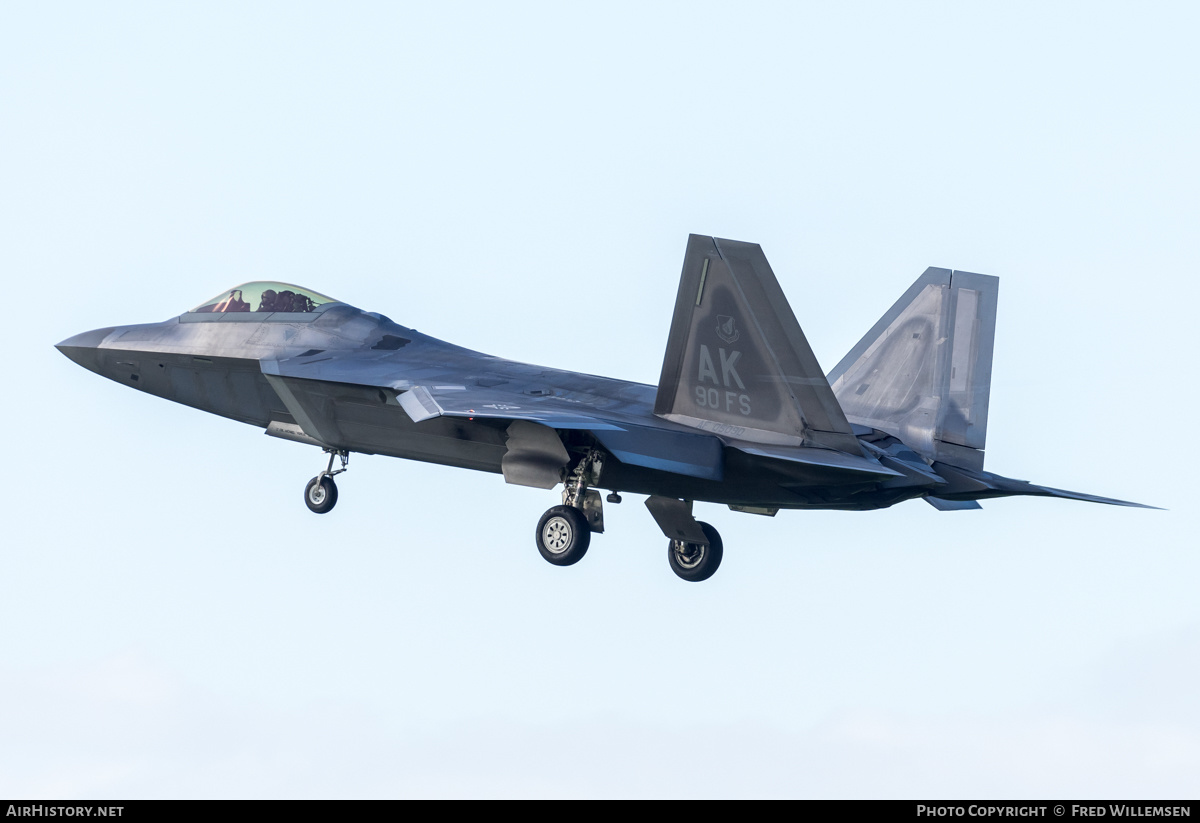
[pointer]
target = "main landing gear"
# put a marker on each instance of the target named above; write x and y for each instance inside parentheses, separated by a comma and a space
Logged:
(321, 494)
(695, 561)
(563, 535)
(565, 532)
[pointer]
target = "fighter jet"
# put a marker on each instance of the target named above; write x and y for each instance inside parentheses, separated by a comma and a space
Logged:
(742, 414)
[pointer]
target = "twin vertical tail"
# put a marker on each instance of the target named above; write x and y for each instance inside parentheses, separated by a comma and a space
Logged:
(738, 366)
(923, 372)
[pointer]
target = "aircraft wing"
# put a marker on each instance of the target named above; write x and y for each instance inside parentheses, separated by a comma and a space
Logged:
(453, 390)
(456, 400)
(620, 419)
(653, 446)
(639, 440)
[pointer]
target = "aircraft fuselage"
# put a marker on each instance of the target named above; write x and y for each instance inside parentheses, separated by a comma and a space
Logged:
(215, 364)
(743, 414)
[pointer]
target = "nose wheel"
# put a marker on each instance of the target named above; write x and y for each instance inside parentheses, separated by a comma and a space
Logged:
(321, 494)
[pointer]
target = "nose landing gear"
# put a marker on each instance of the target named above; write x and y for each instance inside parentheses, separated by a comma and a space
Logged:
(563, 535)
(321, 494)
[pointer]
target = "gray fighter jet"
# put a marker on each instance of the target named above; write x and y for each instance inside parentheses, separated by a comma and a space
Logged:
(742, 415)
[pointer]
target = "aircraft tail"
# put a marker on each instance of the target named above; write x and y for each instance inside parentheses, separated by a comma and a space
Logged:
(923, 373)
(737, 364)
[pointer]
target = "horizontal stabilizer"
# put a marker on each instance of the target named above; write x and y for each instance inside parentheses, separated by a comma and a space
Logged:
(952, 505)
(964, 485)
(737, 364)
(1017, 487)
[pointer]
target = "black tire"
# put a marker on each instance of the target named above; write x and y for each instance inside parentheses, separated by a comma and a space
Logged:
(563, 535)
(320, 495)
(693, 561)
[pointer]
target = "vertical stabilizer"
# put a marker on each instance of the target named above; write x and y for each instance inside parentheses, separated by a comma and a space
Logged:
(737, 363)
(923, 373)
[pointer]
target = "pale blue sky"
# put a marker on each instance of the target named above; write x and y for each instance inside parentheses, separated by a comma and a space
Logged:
(521, 179)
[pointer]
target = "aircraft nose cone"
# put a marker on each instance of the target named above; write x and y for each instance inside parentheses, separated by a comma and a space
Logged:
(82, 347)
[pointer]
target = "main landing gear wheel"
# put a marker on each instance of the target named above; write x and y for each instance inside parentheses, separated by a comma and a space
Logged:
(694, 561)
(563, 535)
(320, 495)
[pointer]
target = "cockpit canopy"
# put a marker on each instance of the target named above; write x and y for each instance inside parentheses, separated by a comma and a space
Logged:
(263, 296)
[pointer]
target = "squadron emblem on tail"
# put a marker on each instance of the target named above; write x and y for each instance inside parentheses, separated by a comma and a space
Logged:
(727, 328)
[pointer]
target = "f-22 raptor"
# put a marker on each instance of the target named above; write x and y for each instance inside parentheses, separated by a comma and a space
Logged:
(742, 414)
